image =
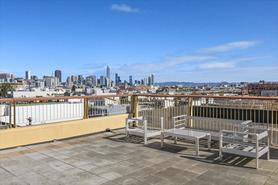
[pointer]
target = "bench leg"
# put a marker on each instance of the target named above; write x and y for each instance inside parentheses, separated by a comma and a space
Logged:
(175, 140)
(197, 146)
(162, 140)
(145, 140)
(220, 155)
(209, 142)
(257, 162)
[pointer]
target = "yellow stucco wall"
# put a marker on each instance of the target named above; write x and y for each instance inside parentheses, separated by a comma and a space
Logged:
(48, 132)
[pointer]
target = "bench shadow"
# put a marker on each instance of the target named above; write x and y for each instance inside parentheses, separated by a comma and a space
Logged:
(123, 139)
(172, 148)
(274, 153)
(210, 157)
(228, 160)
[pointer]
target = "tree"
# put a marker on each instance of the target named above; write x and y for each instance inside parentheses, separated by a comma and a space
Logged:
(5, 88)
(73, 88)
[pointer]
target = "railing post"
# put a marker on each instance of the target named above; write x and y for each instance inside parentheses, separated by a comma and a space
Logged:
(86, 108)
(10, 115)
(190, 110)
(134, 106)
(272, 127)
(14, 116)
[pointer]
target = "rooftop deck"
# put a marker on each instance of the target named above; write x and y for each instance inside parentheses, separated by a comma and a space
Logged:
(110, 159)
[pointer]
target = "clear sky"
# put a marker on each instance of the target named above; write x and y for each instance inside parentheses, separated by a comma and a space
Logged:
(177, 40)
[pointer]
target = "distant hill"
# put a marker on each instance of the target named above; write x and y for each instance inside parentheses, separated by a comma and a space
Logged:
(191, 84)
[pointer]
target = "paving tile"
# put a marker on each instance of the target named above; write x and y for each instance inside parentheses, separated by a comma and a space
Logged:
(95, 160)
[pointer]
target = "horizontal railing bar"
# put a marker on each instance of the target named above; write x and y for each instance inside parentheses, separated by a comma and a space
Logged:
(60, 98)
(269, 98)
(209, 96)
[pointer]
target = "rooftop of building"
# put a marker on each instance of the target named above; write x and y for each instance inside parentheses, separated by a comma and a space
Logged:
(107, 158)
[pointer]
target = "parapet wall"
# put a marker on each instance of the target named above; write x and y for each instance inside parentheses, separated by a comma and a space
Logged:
(21, 136)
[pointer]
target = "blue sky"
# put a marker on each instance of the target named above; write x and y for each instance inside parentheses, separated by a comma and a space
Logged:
(177, 40)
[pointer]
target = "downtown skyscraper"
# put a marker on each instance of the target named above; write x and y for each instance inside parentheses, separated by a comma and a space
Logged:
(58, 74)
(108, 72)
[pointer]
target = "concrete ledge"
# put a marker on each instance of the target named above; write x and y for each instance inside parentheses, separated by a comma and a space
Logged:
(48, 132)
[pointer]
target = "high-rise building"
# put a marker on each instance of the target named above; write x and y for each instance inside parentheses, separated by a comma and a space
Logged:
(58, 74)
(130, 80)
(91, 81)
(142, 82)
(27, 75)
(149, 80)
(102, 80)
(108, 72)
(152, 79)
(108, 82)
(116, 79)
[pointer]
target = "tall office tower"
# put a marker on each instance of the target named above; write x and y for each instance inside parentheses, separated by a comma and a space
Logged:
(116, 79)
(108, 72)
(27, 75)
(149, 80)
(108, 82)
(130, 80)
(152, 79)
(58, 74)
(94, 80)
(102, 80)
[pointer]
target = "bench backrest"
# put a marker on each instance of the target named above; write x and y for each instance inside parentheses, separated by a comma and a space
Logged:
(210, 124)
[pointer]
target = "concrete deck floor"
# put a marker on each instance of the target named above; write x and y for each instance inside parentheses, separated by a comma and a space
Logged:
(106, 159)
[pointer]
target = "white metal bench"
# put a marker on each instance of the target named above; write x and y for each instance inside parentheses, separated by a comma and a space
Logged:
(180, 131)
(141, 129)
(211, 125)
(245, 144)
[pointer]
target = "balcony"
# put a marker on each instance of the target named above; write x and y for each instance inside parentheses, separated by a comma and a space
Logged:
(70, 147)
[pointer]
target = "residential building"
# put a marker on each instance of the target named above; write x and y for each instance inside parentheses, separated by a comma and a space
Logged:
(6, 77)
(51, 81)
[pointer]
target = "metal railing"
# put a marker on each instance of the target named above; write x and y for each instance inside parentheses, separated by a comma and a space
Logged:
(21, 112)
(109, 106)
(212, 112)
(32, 111)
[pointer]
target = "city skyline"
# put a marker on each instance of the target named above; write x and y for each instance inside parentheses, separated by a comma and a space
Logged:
(57, 73)
(185, 41)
